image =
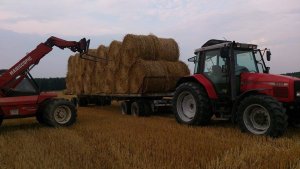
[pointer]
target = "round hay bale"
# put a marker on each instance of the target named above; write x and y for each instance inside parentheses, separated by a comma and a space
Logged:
(114, 55)
(148, 76)
(102, 51)
(175, 71)
(114, 50)
(87, 88)
(99, 77)
(121, 80)
(138, 46)
(109, 84)
(167, 49)
(70, 76)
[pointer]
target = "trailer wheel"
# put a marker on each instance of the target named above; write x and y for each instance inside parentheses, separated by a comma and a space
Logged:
(59, 112)
(138, 108)
(191, 104)
(126, 107)
(149, 108)
(262, 115)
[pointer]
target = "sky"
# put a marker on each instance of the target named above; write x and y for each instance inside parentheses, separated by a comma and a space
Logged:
(270, 24)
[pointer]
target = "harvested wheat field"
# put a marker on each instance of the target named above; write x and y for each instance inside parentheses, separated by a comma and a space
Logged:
(103, 138)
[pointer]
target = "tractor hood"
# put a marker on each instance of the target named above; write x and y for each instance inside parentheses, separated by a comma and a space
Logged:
(261, 77)
(283, 88)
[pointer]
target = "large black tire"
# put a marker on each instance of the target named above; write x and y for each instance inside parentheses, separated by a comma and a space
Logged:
(126, 107)
(262, 115)
(40, 111)
(191, 104)
(149, 108)
(59, 113)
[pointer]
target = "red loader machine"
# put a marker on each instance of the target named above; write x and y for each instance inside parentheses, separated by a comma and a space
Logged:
(231, 80)
(19, 93)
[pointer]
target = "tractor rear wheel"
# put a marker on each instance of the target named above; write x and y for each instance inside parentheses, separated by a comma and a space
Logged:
(59, 112)
(262, 115)
(191, 104)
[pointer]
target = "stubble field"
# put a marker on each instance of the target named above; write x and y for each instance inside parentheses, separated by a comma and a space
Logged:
(103, 138)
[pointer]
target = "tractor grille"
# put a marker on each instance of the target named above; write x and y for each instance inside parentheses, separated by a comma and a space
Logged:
(297, 88)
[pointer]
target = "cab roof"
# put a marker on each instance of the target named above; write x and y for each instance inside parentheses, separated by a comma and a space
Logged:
(215, 44)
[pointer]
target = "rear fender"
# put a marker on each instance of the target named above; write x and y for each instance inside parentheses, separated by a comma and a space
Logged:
(202, 80)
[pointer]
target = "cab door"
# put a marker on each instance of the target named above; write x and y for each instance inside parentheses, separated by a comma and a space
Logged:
(215, 69)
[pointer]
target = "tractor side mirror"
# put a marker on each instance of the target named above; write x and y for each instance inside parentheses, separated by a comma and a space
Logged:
(224, 52)
(192, 59)
(269, 55)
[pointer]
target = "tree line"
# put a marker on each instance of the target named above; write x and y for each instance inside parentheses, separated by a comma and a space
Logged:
(51, 84)
(294, 74)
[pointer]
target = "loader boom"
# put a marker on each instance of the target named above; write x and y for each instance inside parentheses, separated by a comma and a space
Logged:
(16, 73)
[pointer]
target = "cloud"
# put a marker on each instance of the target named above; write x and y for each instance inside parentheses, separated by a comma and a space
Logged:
(272, 24)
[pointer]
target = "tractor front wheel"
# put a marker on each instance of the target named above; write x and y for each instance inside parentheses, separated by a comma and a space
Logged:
(191, 104)
(262, 115)
(59, 112)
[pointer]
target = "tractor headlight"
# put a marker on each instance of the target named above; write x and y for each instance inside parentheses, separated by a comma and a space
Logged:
(298, 93)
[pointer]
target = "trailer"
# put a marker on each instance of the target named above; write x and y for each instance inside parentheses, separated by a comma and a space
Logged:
(137, 104)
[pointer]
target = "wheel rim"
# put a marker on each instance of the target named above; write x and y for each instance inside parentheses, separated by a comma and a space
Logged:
(134, 110)
(186, 106)
(257, 119)
(124, 108)
(62, 114)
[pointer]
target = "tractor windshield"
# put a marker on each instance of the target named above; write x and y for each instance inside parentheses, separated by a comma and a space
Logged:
(245, 62)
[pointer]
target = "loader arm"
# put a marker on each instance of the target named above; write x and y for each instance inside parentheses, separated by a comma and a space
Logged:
(16, 73)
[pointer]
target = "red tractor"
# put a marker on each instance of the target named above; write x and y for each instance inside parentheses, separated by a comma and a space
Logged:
(20, 96)
(231, 80)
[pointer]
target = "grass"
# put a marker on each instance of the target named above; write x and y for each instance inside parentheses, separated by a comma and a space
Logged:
(103, 138)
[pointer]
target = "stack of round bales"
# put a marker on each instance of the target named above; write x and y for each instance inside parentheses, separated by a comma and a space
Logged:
(139, 64)
(149, 64)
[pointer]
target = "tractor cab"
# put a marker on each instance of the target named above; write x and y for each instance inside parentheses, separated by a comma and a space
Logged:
(223, 62)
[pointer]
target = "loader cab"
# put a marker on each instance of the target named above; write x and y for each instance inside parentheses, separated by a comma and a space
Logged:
(223, 62)
(23, 85)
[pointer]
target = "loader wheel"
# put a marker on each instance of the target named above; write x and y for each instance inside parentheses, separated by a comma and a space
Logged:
(39, 114)
(262, 115)
(126, 107)
(191, 104)
(138, 108)
(59, 112)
